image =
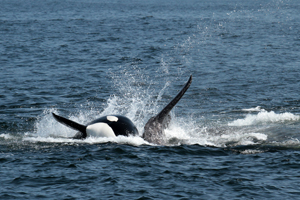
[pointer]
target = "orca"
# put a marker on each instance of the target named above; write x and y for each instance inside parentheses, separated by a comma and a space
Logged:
(106, 126)
(115, 125)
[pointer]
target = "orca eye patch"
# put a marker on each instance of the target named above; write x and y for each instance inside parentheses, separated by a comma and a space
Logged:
(112, 118)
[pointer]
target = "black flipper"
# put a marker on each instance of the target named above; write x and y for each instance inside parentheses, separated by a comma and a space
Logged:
(73, 125)
(153, 130)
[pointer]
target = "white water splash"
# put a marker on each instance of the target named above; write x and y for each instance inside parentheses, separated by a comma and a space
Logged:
(180, 131)
(241, 138)
(137, 102)
(133, 101)
(131, 140)
(7, 136)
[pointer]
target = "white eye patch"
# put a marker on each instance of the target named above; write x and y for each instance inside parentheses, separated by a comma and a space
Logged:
(100, 130)
(112, 118)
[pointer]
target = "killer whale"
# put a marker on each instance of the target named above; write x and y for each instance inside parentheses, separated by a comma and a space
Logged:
(106, 126)
(115, 125)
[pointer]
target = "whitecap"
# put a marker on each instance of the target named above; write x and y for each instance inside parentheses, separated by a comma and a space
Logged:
(264, 117)
(256, 109)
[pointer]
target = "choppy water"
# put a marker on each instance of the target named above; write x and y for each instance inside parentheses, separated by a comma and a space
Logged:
(234, 135)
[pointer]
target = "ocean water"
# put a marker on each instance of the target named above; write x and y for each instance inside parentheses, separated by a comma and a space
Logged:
(234, 134)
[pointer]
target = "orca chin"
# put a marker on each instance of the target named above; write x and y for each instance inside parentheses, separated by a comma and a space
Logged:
(115, 125)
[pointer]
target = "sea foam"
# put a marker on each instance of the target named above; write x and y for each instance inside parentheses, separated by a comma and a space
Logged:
(264, 117)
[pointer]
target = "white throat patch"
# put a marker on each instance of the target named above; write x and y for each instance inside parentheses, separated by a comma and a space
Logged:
(100, 130)
(112, 118)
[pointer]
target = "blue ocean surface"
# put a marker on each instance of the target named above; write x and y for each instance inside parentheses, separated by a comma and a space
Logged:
(233, 135)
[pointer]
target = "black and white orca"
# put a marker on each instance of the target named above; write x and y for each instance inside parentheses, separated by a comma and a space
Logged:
(115, 125)
(106, 126)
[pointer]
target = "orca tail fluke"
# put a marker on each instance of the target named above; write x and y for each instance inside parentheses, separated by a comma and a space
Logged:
(154, 128)
(71, 124)
(166, 110)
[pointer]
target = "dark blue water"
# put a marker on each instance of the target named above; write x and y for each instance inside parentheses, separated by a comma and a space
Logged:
(234, 135)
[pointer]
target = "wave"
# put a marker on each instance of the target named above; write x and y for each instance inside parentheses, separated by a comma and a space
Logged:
(264, 117)
(256, 109)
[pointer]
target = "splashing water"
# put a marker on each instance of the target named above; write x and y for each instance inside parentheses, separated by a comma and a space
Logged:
(140, 103)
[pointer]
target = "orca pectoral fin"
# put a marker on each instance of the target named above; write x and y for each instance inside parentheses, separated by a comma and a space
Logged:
(165, 112)
(71, 124)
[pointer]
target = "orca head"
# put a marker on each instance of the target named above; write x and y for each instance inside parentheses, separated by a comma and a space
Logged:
(112, 125)
(99, 129)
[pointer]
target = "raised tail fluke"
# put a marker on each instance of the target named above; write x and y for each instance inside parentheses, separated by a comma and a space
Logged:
(161, 116)
(73, 125)
(154, 128)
